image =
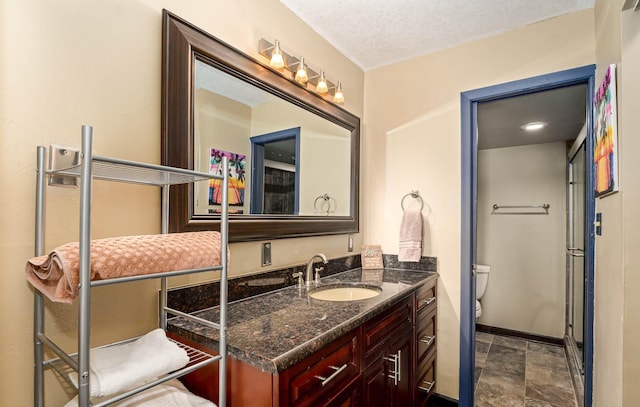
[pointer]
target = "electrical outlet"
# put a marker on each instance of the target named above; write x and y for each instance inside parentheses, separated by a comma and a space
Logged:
(350, 244)
(266, 254)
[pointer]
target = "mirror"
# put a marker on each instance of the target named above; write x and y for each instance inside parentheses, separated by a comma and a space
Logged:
(294, 156)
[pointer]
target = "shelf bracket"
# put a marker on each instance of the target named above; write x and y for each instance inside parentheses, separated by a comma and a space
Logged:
(61, 158)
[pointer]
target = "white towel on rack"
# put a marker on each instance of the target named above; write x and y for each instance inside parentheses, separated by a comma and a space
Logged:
(169, 394)
(410, 248)
(118, 368)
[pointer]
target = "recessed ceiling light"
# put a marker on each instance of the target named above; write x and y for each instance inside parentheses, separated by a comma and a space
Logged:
(533, 126)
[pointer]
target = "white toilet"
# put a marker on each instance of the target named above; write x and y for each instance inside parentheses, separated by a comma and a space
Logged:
(482, 278)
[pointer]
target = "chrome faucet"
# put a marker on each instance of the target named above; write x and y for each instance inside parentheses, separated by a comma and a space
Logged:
(309, 279)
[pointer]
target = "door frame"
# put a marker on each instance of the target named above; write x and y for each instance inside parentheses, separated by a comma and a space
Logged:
(469, 154)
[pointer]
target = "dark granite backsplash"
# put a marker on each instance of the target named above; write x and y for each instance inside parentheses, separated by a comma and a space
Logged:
(197, 297)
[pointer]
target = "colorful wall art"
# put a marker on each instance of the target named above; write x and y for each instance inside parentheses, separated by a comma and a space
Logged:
(605, 130)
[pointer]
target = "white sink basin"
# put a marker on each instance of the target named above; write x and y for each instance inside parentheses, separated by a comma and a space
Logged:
(345, 293)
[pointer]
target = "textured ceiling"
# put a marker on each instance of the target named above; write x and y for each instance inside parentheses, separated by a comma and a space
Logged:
(374, 33)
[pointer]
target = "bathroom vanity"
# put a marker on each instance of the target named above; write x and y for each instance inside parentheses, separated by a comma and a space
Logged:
(288, 349)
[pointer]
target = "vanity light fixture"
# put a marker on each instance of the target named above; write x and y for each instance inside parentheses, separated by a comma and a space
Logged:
(277, 61)
(301, 73)
(533, 126)
(296, 70)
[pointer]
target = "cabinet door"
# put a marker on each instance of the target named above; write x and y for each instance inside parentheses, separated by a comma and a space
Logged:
(400, 351)
(387, 380)
(377, 384)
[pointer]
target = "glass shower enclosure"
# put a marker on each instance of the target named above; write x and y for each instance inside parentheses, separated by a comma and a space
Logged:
(575, 304)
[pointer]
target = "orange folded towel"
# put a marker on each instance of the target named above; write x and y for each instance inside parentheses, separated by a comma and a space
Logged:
(56, 275)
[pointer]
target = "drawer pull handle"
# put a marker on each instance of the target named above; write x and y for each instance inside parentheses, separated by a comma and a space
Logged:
(429, 384)
(427, 302)
(326, 380)
(428, 339)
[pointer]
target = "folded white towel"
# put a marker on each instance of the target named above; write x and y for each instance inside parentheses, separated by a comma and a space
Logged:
(169, 394)
(410, 248)
(117, 368)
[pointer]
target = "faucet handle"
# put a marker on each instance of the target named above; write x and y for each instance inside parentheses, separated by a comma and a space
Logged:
(298, 275)
(317, 274)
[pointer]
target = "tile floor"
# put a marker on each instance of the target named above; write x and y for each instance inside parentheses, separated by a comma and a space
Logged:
(517, 372)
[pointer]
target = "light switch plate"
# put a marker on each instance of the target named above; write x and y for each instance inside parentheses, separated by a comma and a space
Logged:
(350, 244)
(266, 254)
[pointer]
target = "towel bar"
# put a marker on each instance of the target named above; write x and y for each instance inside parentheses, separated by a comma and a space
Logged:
(545, 207)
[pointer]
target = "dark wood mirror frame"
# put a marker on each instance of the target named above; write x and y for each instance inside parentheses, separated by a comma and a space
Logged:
(181, 43)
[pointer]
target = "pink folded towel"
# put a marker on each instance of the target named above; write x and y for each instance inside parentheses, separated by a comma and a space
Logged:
(410, 248)
(56, 275)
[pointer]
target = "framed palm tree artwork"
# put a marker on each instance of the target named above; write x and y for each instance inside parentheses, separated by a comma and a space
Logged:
(605, 131)
(237, 164)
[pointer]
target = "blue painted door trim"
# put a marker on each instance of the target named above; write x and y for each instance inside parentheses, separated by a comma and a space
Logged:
(469, 145)
(257, 168)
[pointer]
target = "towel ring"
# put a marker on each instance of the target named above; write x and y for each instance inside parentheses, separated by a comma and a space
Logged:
(324, 199)
(415, 195)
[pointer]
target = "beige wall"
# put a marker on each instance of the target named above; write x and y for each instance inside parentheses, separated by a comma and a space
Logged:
(413, 142)
(629, 97)
(71, 62)
(526, 289)
(609, 272)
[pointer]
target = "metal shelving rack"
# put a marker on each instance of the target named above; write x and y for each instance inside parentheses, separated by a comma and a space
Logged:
(83, 166)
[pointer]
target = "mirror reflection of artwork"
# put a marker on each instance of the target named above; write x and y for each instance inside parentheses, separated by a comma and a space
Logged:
(237, 164)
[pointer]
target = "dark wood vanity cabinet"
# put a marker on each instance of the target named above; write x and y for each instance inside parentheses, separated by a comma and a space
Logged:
(390, 360)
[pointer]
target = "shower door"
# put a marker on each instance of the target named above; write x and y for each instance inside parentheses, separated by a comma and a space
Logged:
(575, 252)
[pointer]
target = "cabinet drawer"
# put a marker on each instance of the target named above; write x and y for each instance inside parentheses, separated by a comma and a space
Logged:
(425, 333)
(426, 383)
(385, 325)
(324, 375)
(426, 296)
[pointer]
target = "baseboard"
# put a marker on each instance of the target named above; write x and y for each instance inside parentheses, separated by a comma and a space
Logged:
(524, 335)
(438, 400)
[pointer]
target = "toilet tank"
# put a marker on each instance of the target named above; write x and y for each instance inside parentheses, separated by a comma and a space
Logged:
(482, 278)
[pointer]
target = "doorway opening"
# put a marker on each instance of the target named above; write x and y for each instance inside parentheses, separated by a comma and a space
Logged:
(275, 174)
(470, 102)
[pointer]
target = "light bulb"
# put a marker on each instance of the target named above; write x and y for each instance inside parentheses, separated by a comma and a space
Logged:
(276, 57)
(338, 97)
(301, 74)
(322, 83)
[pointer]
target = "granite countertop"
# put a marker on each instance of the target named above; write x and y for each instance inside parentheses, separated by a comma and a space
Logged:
(273, 331)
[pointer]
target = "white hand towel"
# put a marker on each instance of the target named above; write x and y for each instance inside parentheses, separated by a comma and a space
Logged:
(410, 248)
(117, 368)
(169, 394)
